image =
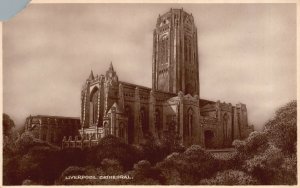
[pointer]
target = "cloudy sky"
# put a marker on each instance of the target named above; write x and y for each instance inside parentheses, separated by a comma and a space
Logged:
(247, 53)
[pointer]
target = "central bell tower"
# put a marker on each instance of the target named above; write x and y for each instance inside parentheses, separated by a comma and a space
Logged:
(175, 54)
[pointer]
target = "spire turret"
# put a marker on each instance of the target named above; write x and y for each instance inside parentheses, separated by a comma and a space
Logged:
(91, 77)
(111, 67)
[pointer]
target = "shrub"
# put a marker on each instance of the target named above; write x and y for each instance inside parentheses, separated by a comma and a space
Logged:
(230, 177)
(189, 167)
(282, 129)
(144, 174)
(112, 147)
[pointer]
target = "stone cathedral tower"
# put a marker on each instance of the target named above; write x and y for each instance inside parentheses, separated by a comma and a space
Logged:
(175, 54)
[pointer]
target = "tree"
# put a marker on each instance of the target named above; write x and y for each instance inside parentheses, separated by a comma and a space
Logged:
(33, 160)
(270, 156)
(9, 137)
(282, 129)
(265, 165)
(256, 142)
(170, 143)
(41, 164)
(8, 124)
(151, 149)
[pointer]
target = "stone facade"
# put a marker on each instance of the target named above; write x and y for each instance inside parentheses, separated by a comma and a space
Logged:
(129, 111)
(52, 128)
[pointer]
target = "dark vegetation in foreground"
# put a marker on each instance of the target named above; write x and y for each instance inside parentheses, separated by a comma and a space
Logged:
(267, 157)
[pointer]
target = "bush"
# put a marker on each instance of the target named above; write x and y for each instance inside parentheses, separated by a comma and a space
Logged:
(144, 174)
(41, 164)
(33, 160)
(108, 167)
(230, 177)
(289, 171)
(265, 166)
(170, 143)
(256, 143)
(188, 168)
(112, 147)
(269, 156)
(151, 150)
(72, 171)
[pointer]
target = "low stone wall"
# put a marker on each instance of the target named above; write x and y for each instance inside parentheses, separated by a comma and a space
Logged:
(78, 143)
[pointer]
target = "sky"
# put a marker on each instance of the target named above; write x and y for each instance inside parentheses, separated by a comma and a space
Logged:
(247, 54)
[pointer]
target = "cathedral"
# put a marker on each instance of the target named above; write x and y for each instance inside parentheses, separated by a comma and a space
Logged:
(131, 112)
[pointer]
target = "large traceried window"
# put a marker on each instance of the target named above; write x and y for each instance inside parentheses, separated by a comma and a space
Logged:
(225, 125)
(94, 105)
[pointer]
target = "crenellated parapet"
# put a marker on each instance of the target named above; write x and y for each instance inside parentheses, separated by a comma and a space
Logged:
(209, 122)
(78, 142)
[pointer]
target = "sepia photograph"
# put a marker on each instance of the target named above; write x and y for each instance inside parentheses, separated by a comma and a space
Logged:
(150, 94)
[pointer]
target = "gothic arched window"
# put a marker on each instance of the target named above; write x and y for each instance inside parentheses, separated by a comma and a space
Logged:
(225, 124)
(190, 121)
(94, 105)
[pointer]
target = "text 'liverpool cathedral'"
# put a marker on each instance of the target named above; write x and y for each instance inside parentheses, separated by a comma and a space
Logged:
(129, 111)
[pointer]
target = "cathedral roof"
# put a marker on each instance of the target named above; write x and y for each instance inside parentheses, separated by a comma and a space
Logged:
(204, 102)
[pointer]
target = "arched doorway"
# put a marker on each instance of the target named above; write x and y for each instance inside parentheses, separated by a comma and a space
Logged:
(208, 138)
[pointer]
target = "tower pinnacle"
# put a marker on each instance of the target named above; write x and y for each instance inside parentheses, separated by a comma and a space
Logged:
(91, 77)
(111, 67)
